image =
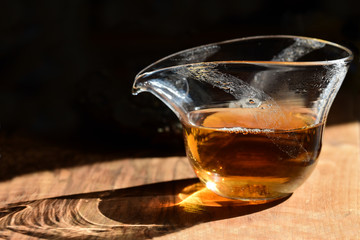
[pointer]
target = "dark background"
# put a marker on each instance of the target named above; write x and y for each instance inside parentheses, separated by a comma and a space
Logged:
(67, 67)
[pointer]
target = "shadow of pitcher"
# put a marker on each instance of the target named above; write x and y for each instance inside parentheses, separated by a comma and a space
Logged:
(142, 212)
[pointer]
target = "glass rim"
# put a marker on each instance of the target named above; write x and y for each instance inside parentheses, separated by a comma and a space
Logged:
(347, 50)
(346, 59)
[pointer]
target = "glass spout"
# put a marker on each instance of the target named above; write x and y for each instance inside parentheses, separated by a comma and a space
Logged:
(170, 87)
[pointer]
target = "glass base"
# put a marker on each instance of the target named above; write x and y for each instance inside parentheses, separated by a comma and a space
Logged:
(252, 192)
(199, 194)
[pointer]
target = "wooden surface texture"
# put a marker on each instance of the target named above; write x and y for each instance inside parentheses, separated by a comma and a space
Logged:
(159, 197)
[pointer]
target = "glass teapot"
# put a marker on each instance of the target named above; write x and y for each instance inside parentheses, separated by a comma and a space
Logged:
(253, 109)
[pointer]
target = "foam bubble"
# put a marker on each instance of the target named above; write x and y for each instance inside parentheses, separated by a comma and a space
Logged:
(246, 130)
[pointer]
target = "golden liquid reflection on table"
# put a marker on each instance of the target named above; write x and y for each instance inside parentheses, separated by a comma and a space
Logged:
(133, 213)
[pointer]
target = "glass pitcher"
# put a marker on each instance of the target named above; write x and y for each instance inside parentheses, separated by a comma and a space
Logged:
(252, 109)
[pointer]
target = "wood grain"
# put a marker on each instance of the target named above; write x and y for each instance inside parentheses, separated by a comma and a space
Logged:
(143, 198)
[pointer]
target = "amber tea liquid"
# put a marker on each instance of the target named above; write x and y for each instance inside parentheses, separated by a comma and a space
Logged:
(252, 154)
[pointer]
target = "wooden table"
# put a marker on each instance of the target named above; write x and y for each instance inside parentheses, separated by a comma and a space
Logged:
(159, 197)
